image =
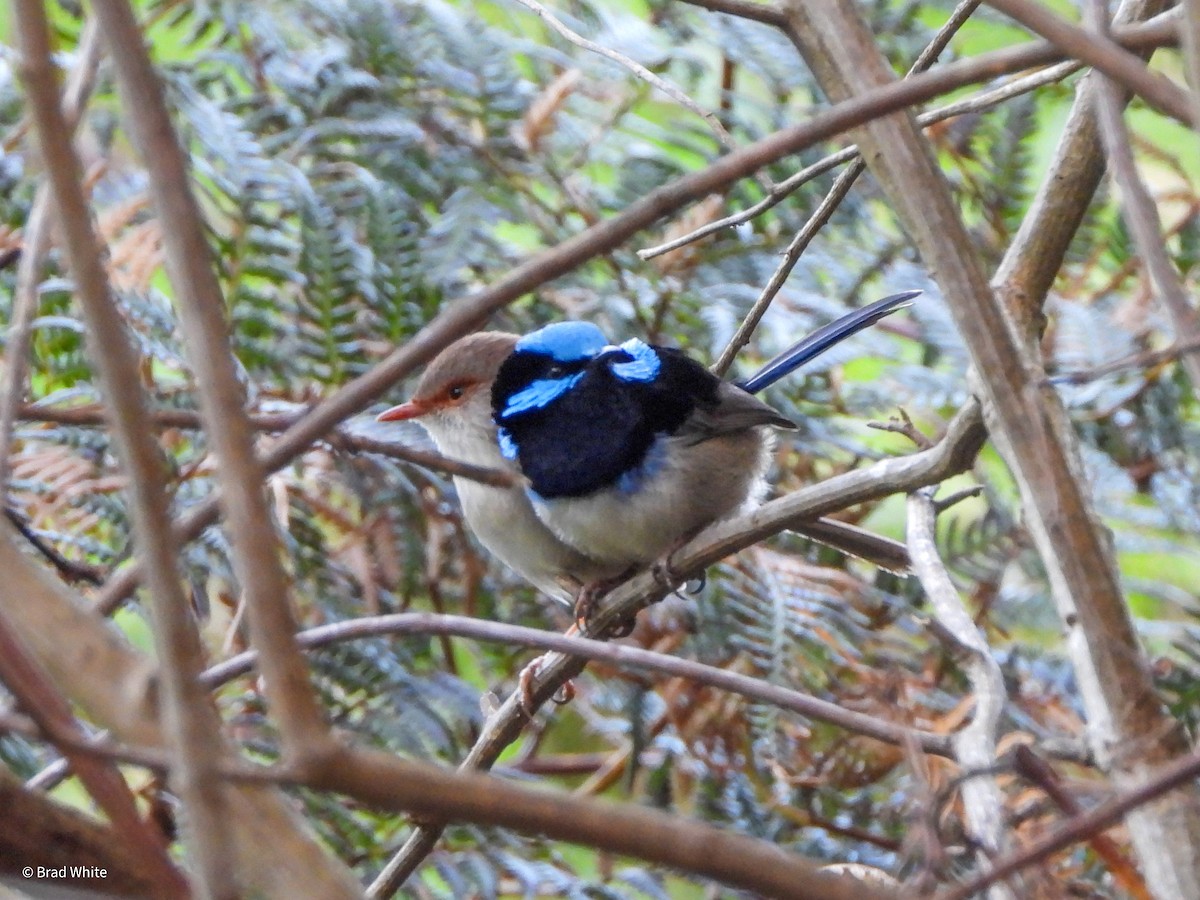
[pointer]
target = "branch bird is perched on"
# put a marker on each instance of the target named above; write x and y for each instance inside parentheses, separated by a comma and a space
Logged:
(626, 450)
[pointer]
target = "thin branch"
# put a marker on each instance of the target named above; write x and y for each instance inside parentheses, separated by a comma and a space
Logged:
(469, 313)
(36, 244)
(953, 454)
(816, 221)
(826, 208)
(204, 329)
(1178, 773)
(589, 649)
(342, 438)
(980, 102)
(71, 571)
(1036, 770)
(1102, 54)
(1147, 360)
(190, 721)
(633, 66)
(766, 13)
(1140, 211)
(975, 743)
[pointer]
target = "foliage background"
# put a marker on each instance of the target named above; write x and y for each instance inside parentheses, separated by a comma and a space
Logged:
(360, 163)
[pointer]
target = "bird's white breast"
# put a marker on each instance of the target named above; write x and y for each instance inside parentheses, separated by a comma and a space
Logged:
(503, 518)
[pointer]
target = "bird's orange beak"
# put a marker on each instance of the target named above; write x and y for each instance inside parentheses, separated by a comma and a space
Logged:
(411, 410)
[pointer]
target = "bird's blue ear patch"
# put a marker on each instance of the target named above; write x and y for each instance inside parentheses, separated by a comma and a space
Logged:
(538, 394)
(565, 341)
(508, 447)
(644, 366)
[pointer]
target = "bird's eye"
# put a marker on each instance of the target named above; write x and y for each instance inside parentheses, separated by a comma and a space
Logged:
(556, 372)
(456, 392)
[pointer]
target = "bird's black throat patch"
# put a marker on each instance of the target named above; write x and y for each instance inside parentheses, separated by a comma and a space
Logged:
(600, 428)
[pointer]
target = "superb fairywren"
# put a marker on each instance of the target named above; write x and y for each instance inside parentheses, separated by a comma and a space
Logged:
(626, 450)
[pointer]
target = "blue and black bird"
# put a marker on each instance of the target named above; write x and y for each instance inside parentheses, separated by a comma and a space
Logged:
(626, 450)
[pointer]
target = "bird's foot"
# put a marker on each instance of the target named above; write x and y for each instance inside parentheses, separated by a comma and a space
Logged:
(662, 570)
(565, 693)
(589, 597)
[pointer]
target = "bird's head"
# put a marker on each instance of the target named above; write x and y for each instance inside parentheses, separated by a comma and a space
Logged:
(454, 395)
(547, 363)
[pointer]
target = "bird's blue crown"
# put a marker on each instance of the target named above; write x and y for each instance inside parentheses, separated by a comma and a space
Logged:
(568, 347)
(565, 341)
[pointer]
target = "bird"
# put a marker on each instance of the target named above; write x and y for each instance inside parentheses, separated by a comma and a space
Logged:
(623, 452)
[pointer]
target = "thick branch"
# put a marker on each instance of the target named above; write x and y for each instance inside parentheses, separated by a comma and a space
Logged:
(35, 828)
(190, 719)
(975, 743)
(255, 547)
(33, 689)
(386, 782)
(119, 690)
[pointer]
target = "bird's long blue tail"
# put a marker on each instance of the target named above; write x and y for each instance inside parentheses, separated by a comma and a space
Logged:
(822, 339)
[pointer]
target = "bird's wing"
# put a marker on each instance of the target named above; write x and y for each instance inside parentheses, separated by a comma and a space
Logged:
(734, 410)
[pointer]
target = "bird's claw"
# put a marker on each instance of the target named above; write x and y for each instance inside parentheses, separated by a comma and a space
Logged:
(664, 574)
(525, 685)
(585, 603)
(585, 608)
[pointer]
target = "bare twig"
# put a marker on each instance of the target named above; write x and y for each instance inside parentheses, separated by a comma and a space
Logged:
(633, 66)
(903, 424)
(1147, 360)
(791, 255)
(72, 571)
(342, 438)
(586, 648)
(255, 547)
(1103, 54)
(1035, 769)
(826, 208)
(974, 744)
(1140, 212)
(1175, 774)
(1159, 31)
